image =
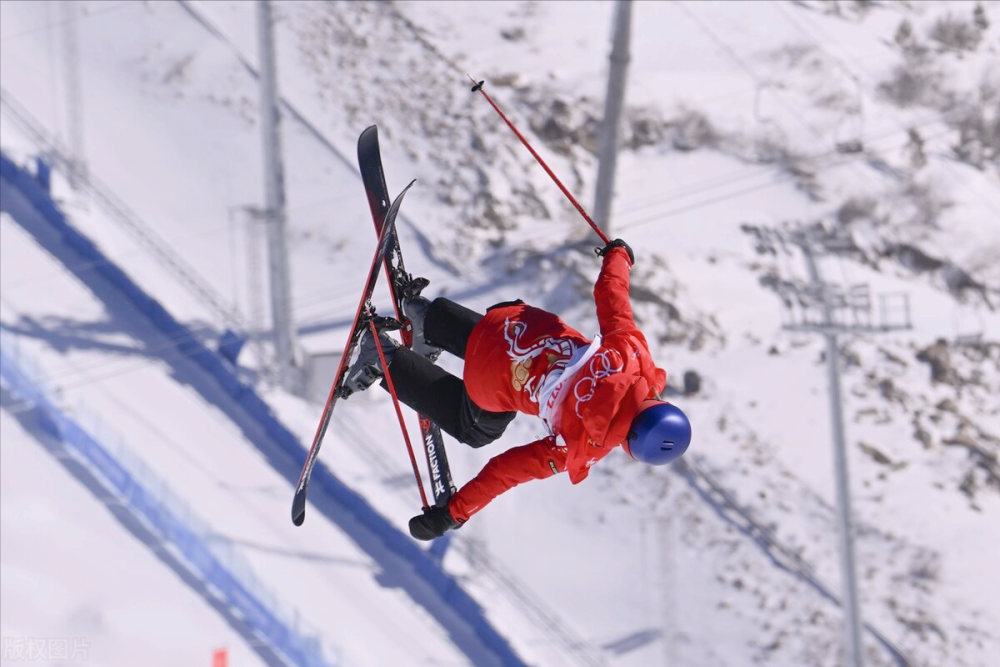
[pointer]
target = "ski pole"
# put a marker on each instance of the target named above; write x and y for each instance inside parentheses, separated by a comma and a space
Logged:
(391, 386)
(478, 86)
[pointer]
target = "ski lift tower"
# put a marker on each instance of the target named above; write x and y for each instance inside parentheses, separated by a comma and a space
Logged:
(614, 100)
(77, 164)
(274, 195)
(832, 310)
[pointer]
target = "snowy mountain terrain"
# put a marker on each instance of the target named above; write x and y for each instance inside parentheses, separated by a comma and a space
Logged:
(874, 126)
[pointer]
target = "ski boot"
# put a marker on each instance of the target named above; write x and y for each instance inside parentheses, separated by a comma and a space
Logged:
(414, 309)
(367, 369)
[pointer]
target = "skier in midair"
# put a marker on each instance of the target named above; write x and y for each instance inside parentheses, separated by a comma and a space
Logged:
(592, 394)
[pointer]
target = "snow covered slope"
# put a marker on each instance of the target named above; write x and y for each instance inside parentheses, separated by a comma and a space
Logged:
(733, 120)
(64, 584)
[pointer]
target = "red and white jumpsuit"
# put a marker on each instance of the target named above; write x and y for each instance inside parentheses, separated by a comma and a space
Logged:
(516, 360)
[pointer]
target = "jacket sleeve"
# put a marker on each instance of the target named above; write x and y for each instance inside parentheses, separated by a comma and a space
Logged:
(537, 460)
(611, 294)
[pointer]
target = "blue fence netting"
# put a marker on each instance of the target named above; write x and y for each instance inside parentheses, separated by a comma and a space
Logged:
(147, 498)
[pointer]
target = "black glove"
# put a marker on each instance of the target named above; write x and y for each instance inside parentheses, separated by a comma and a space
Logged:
(617, 243)
(434, 522)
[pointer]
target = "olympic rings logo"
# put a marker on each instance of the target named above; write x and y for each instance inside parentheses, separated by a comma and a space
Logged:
(600, 367)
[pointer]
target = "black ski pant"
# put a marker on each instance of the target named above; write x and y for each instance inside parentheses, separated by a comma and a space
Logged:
(436, 393)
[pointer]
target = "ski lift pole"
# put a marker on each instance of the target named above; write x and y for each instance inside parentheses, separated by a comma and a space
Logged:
(478, 87)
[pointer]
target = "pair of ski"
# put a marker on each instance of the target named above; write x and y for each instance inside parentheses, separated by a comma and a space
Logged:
(388, 254)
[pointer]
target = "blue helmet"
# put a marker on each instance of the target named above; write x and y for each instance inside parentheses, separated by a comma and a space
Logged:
(660, 433)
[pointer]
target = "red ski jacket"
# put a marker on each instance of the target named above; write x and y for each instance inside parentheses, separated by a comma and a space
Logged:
(509, 357)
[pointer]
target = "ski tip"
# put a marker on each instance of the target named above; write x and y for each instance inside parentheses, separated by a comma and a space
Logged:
(399, 198)
(299, 509)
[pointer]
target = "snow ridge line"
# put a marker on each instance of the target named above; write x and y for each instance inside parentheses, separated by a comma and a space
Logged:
(129, 485)
(420, 576)
(726, 505)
